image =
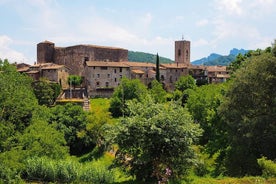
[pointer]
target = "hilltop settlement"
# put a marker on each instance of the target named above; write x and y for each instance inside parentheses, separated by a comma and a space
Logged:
(101, 68)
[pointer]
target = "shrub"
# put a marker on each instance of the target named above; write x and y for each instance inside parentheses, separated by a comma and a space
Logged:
(65, 171)
(268, 167)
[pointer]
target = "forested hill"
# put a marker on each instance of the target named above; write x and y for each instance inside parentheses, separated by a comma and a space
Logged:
(217, 59)
(146, 57)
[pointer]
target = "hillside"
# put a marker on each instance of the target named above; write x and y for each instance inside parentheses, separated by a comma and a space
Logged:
(217, 59)
(146, 57)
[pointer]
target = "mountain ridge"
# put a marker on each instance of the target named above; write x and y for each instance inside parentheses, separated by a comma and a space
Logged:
(212, 59)
(217, 59)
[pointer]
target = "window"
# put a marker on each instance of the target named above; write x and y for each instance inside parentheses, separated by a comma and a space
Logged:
(115, 71)
(94, 67)
(179, 52)
(108, 75)
(98, 84)
(103, 67)
(121, 69)
(115, 79)
(98, 75)
(106, 84)
(86, 58)
(121, 76)
(187, 54)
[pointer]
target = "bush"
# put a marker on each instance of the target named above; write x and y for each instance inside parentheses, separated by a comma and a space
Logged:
(268, 167)
(48, 170)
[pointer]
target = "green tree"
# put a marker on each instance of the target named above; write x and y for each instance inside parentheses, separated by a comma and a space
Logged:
(72, 121)
(42, 139)
(250, 113)
(156, 138)
(185, 82)
(74, 80)
(17, 103)
(237, 63)
(203, 104)
(127, 90)
(157, 92)
(44, 92)
(157, 77)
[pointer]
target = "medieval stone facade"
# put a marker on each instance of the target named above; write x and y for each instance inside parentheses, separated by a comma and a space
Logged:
(74, 57)
(103, 67)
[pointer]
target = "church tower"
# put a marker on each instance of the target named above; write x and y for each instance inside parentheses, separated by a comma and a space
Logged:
(182, 52)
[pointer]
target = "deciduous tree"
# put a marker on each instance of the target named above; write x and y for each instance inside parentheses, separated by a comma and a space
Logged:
(250, 114)
(155, 140)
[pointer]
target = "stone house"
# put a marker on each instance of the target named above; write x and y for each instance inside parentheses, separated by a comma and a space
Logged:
(217, 74)
(102, 77)
(50, 71)
(173, 72)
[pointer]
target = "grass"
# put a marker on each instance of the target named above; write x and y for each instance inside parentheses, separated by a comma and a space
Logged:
(99, 104)
(229, 180)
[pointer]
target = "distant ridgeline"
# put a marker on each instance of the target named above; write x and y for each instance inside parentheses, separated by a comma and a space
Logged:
(146, 57)
(217, 59)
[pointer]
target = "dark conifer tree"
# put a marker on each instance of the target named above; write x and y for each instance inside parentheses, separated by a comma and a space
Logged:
(157, 77)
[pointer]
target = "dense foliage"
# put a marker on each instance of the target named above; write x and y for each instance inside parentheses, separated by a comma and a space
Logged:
(154, 141)
(155, 135)
(45, 91)
(74, 80)
(127, 90)
(249, 114)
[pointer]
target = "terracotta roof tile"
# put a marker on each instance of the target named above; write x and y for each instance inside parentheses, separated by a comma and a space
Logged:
(137, 71)
(174, 65)
(140, 64)
(109, 64)
(216, 68)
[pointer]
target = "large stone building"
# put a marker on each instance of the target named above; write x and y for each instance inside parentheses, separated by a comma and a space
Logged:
(103, 67)
(74, 57)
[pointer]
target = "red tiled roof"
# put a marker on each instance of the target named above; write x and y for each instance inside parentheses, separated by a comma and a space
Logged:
(139, 64)
(174, 65)
(108, 64)
(137, 71)
(216, 68)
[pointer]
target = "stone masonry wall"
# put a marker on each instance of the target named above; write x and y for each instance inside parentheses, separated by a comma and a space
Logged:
(74, 57)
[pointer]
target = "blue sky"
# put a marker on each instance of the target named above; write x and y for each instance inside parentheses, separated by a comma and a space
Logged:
(138, 25)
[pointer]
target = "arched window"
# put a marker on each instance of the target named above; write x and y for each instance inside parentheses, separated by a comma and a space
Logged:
(187, 54)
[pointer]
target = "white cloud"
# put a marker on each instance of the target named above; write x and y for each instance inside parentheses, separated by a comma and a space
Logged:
(202, 22)
(232, 7)
(6, 52)
(199, 43)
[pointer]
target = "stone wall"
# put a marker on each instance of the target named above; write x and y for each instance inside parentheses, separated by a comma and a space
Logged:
(74, 57)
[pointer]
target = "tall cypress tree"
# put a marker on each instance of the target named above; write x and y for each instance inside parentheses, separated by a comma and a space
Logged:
(157, 77)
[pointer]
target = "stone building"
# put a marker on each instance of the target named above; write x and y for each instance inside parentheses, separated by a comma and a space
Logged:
(103, 67)
(217, 74)
(173, 72)
(102, 77)
(74, 57)
(52, 72)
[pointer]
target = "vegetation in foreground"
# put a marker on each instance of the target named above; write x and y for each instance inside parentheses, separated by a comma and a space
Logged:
(195, 134)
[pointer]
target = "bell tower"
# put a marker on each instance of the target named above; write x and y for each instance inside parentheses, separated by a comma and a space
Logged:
(182, 52)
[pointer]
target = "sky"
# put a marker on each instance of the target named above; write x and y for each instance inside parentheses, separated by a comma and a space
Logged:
(212, 26)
